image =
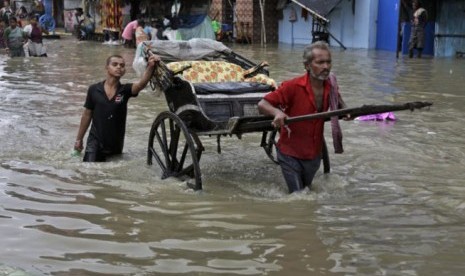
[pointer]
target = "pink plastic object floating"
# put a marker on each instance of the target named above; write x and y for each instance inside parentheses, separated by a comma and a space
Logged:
(386, 116)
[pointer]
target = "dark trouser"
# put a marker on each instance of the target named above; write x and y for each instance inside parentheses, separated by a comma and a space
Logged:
(95, 156)
(416, 41)
(298, 173)
(94, 151)
(17, 52)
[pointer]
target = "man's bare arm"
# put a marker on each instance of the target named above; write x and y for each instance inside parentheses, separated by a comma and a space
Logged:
(142, 83)
(267, 109)
(86, 118)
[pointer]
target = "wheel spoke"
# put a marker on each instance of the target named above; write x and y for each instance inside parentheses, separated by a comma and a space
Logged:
(183, 157)
(154, 153)
(186, 171)
(163, 148)
(163, 131)
(173, 149)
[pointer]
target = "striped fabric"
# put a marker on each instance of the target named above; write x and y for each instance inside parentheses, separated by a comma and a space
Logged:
(336, 102)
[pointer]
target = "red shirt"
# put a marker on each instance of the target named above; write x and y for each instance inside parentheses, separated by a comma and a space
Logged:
(295, 97)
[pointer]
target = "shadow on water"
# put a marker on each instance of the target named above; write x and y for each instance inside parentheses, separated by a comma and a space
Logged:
(392, 205)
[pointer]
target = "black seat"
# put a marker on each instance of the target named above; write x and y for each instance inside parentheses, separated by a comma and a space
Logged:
(184, 103)
(231, 88)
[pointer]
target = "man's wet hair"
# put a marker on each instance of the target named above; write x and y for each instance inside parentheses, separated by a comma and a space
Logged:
(113, 56)
(308, 50)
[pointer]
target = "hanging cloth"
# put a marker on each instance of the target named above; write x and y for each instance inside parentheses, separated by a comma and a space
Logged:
(304, 14)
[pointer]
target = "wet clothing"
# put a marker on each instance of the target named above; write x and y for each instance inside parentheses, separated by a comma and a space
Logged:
(35, 47)
(298, 173)
(6, 13)
(129, 30)
(14, 40)
(295, 97)
(417, 35)
(300, 144)
(106, 136)
(2, 39)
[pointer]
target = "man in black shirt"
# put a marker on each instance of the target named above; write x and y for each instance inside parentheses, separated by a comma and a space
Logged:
(106, 108)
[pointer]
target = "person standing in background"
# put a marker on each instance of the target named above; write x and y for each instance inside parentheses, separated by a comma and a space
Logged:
(417, 35)
(34, 32)
(2, 31)
(129, 32)
(21, 15)
(38, 9)
(15, 39)
(6, 12)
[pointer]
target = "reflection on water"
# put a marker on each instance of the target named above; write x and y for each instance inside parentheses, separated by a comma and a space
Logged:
(392, 205)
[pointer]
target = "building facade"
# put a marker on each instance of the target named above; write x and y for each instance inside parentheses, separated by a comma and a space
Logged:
(382, 25)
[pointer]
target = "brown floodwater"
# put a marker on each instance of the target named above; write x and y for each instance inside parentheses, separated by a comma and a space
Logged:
(394, 203)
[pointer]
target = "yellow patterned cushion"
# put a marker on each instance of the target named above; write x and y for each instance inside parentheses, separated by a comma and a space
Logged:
(208, 71)
(216, 71)
(262, 78)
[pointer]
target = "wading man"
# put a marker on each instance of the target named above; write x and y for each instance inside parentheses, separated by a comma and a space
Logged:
(300, 145)
(106, 108)
(15, 39)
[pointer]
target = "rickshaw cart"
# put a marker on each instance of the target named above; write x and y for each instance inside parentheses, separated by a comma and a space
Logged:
(207, 108)
(202, 108)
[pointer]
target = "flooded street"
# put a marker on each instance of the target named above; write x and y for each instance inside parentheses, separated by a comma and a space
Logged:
(393, 204)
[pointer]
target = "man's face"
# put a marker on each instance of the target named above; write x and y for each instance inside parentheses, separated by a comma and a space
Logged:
(13, 24)
(320, 66)
(116, 67)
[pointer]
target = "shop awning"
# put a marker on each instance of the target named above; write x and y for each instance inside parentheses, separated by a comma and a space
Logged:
(318, 8)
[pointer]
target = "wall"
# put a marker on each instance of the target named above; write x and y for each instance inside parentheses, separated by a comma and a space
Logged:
(450, 20)
(387, 25)
(354, 30)
(298, 32)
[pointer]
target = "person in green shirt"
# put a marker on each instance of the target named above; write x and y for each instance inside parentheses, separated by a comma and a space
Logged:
(14, 38)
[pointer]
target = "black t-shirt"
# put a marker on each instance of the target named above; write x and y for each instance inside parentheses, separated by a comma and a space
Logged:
(108, 118)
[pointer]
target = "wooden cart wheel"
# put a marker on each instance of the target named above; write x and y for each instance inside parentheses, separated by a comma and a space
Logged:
(173, 147)
(269, 140)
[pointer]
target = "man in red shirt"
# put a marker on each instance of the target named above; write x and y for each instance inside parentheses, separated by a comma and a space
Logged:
(300, 143)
